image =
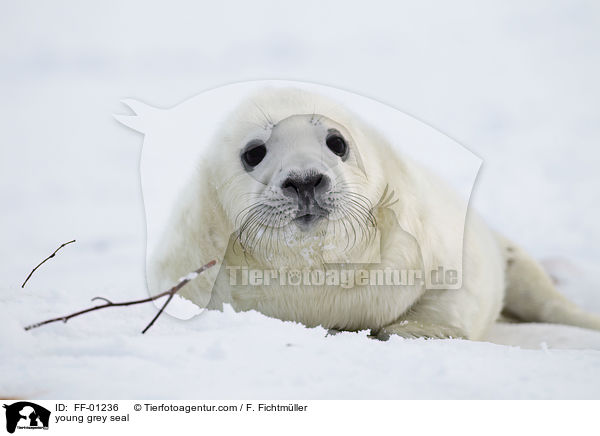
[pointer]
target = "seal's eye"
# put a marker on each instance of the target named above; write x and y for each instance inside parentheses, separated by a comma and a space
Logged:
(337, 144)
(254, 154)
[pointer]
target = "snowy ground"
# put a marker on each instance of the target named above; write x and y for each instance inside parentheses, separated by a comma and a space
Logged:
(516, 83)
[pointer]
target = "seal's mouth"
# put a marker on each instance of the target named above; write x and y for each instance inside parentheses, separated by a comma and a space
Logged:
(305, 221)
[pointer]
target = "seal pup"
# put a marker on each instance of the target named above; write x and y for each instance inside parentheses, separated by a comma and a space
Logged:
(293, 182)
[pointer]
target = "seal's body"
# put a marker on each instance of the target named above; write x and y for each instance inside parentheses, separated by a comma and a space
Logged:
(293, 182)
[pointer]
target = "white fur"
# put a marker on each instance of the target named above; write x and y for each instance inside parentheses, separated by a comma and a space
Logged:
(422, 229)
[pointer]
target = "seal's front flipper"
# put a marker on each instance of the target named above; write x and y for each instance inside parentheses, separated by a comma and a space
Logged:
(417, 329)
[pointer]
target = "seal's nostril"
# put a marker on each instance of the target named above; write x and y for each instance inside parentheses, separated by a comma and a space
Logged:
(304, 184)
(289, 185)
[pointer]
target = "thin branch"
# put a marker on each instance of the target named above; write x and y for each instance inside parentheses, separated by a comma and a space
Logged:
(46, 259)
(158, 313)
(171, 292)
(103, 299)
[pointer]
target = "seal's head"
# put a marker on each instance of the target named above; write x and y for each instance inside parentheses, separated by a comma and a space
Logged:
(293, 181)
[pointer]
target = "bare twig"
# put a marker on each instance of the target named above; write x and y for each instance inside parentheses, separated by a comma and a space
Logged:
(158, 314)
(46, 259)
(171, 292)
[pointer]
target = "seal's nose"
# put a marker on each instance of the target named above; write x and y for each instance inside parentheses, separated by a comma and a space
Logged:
(305, 187)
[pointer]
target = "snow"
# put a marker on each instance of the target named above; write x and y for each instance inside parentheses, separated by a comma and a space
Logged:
(515, 83)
